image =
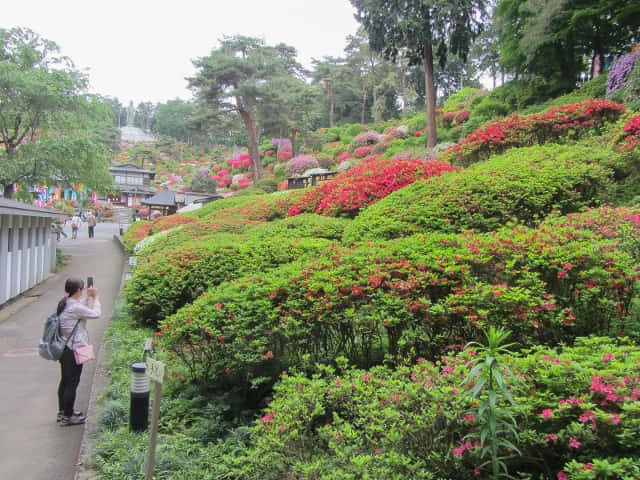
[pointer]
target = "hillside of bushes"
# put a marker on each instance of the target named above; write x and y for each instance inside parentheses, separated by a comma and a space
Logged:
(427, 314)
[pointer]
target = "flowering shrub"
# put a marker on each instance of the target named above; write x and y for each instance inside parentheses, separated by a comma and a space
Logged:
(415, 297)
(365, 184)
(619, 72)
(362, 152)
(576, 413)
(393, 133)
(522, 185)
(344, 156)
(630, 135)
(298, 165)
(228, 215)
(446, 118)
(462, 116)
(325, 161)
(284, 155)
(139, 230)
(526, 130)
(171, 278)
(281, 143)
(368, 138)
(240, 160)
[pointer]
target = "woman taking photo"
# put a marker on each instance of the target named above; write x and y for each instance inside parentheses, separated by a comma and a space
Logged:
(74, 310)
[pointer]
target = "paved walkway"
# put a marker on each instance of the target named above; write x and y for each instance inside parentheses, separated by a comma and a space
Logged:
(32, 446)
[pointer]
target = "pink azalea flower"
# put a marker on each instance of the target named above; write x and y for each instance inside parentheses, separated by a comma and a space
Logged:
(607, 357)
(547, 413)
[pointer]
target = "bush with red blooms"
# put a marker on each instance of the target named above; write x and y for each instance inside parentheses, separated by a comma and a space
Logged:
(462, 116)
(522, 185)
(629, 137)
(141, 229)
(284, 155)
(416, 296)
(525, 130)
(366, 183)
(344, 156)
(362, 152)
(575, 408)
(228, 215)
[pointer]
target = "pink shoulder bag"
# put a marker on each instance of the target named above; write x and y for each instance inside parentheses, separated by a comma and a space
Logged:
(83, 354)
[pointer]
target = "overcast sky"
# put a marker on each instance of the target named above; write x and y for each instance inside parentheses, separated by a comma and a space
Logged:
(141, 50)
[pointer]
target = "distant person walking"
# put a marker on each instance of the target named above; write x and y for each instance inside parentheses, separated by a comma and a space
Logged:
(57, 227)
(76, 221)
(74, 309)
(62, 222)
(91, 224)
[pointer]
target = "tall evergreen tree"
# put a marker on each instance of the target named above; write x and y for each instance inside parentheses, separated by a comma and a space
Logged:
(237, 77)
(419, 28)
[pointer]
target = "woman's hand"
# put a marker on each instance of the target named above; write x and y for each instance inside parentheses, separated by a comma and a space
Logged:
(92, 292)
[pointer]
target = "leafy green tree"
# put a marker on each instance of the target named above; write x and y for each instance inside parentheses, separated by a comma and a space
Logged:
(363, 62)
(174, 119)
(203, 183)
(552, 38)
(144, 115)
(595, 29)
(117, 111)
(386, 105)
(237, 77)
(416, 29)
(485, 52)
(46, 120)
(287, 102)
(326, 74)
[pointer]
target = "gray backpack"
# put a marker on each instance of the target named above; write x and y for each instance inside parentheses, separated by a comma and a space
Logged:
(51, 345)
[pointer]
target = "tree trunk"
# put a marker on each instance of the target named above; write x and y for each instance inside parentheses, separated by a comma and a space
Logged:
(403, 84)
(373, 79)
(252, 139)
(294, 132)
(8, 190)
(430, 94)
(331, 105)
(364, 103)
(601, 60)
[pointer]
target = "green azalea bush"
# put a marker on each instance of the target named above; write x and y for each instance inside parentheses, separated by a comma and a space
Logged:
(522, 185)
(576, 409)
(365, 184)
(166, 279)
(575, 121)
(227, 215)
(414, 297)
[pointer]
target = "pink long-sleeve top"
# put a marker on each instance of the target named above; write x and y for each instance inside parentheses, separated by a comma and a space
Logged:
(78, 310)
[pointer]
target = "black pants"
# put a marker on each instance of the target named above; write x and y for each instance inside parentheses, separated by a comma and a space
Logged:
(91, 232)
(70, 378)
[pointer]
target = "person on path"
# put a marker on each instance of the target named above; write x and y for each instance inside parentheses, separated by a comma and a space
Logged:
(57, 227)
(62, 222)
(74, 308)
(75, 225)
(91, 224)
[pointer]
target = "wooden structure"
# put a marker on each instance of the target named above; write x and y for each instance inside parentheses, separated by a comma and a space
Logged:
(311, 180)
(27, 247)
(187, 198)
(164, 200)
(133, 184)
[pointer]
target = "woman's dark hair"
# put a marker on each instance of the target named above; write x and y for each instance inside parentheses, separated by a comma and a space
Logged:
(71, 286)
